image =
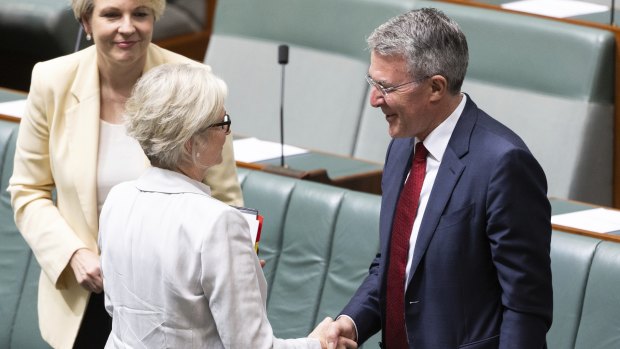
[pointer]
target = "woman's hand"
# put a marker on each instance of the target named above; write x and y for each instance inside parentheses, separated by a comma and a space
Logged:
(324, 329)
(87, 269)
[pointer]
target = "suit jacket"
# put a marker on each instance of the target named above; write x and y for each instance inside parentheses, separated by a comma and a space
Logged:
(481, 274)
(195, 284)
(57, 149)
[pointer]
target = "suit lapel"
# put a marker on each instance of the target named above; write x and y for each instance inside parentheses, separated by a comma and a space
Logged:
(82, 116)
(448, 175)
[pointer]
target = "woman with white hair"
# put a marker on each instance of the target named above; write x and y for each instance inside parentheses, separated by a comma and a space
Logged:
(179, 267)
(72, 143)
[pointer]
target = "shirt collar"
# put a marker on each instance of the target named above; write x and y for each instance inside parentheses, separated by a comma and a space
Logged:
(159, 180)
(437, 141)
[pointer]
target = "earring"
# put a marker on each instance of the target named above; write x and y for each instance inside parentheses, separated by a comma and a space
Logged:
(88, 37)
(198, 155)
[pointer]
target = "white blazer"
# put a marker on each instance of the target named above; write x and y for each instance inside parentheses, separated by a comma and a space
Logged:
(57, 148)
(179, 269)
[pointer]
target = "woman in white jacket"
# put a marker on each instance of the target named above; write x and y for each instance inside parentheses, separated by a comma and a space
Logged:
(179, 267)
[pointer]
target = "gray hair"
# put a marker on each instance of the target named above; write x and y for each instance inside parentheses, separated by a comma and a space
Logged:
(169, 105)
(431, 42)
(84, 8)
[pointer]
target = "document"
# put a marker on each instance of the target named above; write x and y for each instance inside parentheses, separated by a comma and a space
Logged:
(556, 8)
(255, 221)
(13, 108)
(597, 220)
(253, 150)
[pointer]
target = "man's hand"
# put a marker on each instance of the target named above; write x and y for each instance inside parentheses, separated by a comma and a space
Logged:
(341, 333)
(87, 269)
(321, 331)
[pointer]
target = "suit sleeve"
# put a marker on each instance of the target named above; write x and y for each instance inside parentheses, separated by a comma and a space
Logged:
(231, 281)
(363, 307)
(519, 231)
(49, 235)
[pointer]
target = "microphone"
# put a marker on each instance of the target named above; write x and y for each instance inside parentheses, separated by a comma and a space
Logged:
(282, 60)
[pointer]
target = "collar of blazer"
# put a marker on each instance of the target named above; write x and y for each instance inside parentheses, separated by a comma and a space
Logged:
(82, 126)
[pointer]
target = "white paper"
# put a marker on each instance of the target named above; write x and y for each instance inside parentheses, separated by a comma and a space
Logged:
(253, 150)
(598, 220)
(13, 108)
(556, 8)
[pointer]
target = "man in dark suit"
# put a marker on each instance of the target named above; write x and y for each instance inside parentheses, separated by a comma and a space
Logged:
(465, 222)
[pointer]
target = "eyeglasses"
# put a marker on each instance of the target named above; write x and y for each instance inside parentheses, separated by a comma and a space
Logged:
(224, 125)
(385, 90)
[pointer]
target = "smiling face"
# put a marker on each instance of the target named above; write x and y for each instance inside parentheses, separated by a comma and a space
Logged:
(408, 109)
(121, 29)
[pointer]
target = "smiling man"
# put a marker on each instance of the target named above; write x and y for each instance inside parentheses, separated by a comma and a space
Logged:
(465, 222)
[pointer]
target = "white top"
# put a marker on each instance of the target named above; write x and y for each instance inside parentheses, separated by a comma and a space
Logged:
(179, 269)
(120, 159)
(436, 143)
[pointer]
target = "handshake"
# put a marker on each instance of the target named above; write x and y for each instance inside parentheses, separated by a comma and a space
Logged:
(339, 334)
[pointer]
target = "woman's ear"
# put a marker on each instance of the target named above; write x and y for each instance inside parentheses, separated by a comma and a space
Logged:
(189, 144)
(85, 22)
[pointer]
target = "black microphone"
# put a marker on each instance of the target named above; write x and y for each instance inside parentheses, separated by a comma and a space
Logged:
(283, 60)
(283, 54)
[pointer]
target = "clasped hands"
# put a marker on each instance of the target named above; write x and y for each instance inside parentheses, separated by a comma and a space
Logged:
(339, 334)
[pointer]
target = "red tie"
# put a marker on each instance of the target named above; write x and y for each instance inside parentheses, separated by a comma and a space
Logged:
(395, 331)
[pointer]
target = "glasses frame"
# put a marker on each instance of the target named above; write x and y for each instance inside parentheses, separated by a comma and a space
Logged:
(387, 90)
(224, 125)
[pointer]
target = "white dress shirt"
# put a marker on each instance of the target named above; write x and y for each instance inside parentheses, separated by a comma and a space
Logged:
(179, 269)
(436, 143)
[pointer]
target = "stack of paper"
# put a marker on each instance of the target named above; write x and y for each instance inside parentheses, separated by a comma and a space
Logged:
(253, 150)
(556, 8)
(13, 108)
(597, 220)
(255, 221)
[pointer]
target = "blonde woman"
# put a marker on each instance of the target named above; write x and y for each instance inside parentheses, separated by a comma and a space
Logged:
(71, 139)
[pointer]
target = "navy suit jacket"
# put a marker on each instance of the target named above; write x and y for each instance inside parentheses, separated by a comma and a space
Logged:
(481, 274)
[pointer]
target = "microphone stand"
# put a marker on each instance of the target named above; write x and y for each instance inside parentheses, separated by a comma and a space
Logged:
(282, 60)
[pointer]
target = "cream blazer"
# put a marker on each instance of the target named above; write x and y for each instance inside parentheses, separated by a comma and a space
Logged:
(180, 270)
(57, 148)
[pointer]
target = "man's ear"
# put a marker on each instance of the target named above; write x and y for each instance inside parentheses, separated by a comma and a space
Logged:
(439, 87)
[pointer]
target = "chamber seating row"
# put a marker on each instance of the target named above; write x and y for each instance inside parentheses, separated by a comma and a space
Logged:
(318, 242)
(551, 82)
(38, 30)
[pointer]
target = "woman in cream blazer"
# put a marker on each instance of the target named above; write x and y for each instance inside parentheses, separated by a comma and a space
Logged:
(57, 148)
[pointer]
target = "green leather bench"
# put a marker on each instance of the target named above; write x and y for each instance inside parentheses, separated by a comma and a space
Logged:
(550, 82)
(318, 242)
(325, 89)
(38, 30)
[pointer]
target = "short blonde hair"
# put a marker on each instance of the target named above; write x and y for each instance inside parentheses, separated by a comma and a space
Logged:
(169, 105)
(84, 8)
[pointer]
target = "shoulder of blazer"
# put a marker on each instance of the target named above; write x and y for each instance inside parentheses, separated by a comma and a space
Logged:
(157, 56)
(64, 68)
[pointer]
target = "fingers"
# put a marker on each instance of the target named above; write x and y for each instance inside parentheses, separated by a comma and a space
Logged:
(320, 330)
(346, 343)
(341, 334)
(87, 270)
